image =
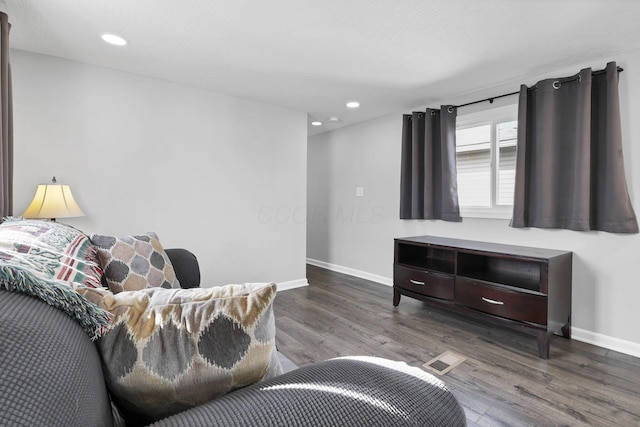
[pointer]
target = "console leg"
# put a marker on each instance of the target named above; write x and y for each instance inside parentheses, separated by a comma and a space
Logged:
(396, 297)
(543, 344)
(566, 331)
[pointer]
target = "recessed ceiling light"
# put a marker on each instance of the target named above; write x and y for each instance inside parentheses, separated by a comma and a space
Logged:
(334, 119)
(353, 104)
(113, 39)
(316, 123)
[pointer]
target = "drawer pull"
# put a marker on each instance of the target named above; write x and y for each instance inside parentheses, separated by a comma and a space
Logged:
(416, 282)
(492, 301)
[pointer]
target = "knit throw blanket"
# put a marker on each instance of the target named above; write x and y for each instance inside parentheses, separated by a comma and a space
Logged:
(51, 261)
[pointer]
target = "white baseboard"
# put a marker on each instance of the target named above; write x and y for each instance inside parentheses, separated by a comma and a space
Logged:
(292, 284)
(605, 341)
(352, 272)
(600, 340)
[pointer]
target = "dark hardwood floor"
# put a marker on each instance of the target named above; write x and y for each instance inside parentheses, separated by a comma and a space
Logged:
(502, 383)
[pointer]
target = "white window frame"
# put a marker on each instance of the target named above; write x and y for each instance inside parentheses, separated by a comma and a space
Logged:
(491, 116)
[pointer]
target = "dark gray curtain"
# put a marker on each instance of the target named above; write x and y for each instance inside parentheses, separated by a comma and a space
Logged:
(569, 169)
(428, 182)
(6, 122)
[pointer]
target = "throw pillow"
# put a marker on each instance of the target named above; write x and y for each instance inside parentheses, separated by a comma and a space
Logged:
(52, 261)
(170, 350)
(57, 250)
(134, 262)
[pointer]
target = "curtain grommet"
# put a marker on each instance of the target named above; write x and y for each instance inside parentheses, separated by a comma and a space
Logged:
(450, 110)
(556, 84)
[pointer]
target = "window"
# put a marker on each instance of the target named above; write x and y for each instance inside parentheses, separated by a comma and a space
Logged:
(486, 162)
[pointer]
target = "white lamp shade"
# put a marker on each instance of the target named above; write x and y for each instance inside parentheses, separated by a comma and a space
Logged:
(53, 201)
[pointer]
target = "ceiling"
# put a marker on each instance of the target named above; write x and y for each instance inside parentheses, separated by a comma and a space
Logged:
(315, 55)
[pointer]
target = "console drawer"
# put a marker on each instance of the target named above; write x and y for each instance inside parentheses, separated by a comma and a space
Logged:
(437, 285)
(506, 303)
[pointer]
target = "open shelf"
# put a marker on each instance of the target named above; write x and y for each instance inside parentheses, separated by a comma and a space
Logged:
(426, 258)
(513, 272)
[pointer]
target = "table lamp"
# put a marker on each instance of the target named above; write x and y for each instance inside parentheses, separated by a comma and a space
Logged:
(53, 201)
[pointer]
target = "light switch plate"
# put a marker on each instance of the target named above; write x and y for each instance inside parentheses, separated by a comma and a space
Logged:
(359, 191)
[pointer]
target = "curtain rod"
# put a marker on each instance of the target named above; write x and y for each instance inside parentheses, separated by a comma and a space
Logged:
(491, 99)
(488, 99)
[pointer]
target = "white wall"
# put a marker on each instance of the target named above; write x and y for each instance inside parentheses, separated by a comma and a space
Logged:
(356, 234)
(201, 169)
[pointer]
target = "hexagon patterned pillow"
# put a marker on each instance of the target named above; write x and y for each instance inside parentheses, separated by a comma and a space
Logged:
(131, 263)
(172, 349)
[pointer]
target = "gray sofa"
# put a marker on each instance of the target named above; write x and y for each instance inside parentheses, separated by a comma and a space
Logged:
(51, 375)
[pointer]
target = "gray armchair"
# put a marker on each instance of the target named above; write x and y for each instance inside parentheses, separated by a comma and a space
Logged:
(51, 375)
